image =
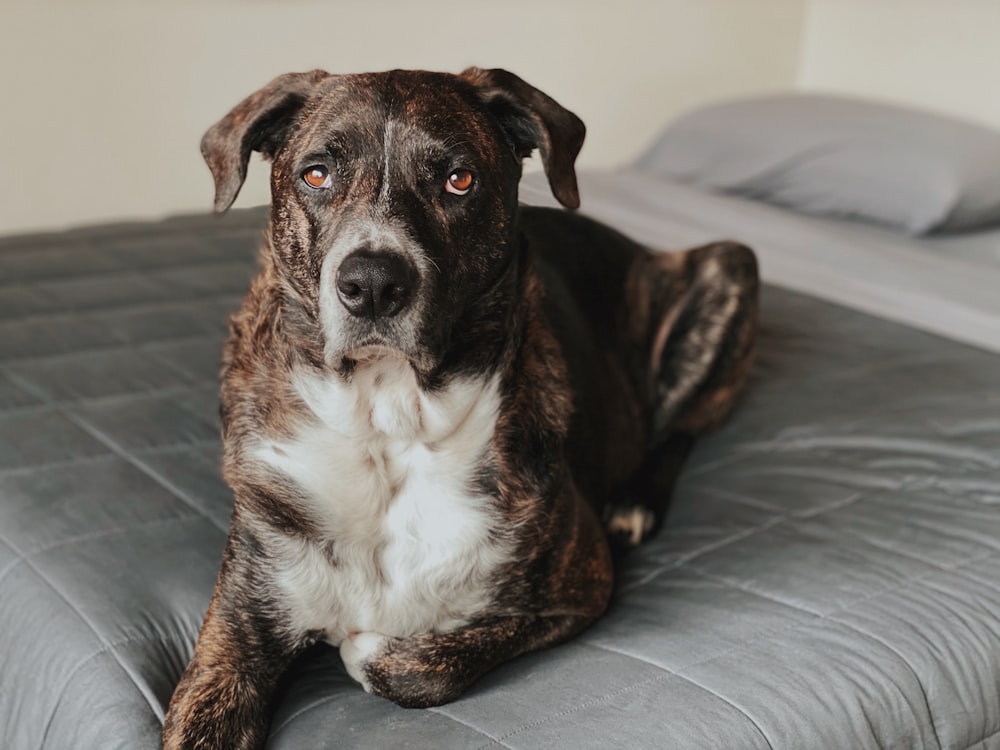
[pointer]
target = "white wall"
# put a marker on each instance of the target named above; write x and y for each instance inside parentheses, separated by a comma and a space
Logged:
(939, 54)
(104, 102)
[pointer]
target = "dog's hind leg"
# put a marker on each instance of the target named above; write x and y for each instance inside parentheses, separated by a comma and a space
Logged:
(698, 314)
(639, 506)
(703, 347)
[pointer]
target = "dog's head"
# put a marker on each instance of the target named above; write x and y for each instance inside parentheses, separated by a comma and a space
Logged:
(394, 197)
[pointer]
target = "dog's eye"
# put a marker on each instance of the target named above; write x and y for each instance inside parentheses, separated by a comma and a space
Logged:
(317, 177)
(459, 182)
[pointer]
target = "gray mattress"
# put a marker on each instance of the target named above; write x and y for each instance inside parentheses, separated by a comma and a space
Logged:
(829, 576)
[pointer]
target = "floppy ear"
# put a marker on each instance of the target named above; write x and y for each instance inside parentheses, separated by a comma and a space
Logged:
(533, 120)
(258, 123)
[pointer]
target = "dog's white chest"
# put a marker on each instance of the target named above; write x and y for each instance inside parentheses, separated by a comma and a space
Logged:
(390, 472)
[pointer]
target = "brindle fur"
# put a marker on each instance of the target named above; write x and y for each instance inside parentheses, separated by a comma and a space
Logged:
(610, 358)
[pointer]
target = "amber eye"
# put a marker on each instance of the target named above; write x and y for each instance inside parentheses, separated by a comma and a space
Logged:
(459, 182)
(317, 177)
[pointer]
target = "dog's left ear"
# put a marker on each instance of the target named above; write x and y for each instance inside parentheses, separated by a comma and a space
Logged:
(258, 123)
(533, 120)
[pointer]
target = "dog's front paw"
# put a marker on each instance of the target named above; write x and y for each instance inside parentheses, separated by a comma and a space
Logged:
(216, 710)
(359, 652)
(410, 672)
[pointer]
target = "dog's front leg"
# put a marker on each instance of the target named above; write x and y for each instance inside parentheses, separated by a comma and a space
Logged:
(222, 700)
(435, 668)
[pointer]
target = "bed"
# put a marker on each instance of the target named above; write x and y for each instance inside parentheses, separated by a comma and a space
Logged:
(828, 576)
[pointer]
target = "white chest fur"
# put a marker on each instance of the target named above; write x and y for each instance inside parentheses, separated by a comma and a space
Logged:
(389, 470)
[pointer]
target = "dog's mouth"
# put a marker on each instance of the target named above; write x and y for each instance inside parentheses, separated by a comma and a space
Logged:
(376, 349)
(373, 352)
(370, 349)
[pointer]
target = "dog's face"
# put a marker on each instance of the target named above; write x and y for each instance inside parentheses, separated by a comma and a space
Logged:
(394, 198)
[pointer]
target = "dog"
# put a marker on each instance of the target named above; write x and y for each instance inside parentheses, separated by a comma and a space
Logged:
(441, 410)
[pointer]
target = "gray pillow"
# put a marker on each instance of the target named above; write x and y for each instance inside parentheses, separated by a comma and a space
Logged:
(831, 155)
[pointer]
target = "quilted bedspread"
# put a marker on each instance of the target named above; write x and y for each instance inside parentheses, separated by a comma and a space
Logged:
(829, 575)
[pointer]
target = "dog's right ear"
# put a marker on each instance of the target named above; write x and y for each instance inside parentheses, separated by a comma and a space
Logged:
(258, 123)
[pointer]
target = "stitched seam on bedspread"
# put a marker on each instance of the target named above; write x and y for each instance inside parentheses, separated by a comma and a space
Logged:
(776, 519)
(627, 654)
(708, 466)
(493, 740)
(22, 555)
(275, 731)
(159, 450)
(678, 675)
(200, 226)
(728, 702)
(936, 568)
(586, 640)
(150, 700)
(923, 691)
(586, 704)
(759, 594)
(910, 556)
(99, 273)
(114, 399)
(144, 468)
(734, 497)
(117, 643)
(913, 446)
(304, 710)
(119, 347)
(684, 559)
(861, 600)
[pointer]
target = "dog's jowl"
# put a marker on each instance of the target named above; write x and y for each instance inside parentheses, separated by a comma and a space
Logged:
(441, 410)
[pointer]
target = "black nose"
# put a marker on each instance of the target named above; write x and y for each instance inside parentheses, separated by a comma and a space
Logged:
(375, 285)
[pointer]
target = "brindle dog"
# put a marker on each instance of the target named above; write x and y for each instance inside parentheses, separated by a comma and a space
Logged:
(438, 406)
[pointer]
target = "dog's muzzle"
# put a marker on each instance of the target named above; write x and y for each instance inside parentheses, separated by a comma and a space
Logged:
(375, 285)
